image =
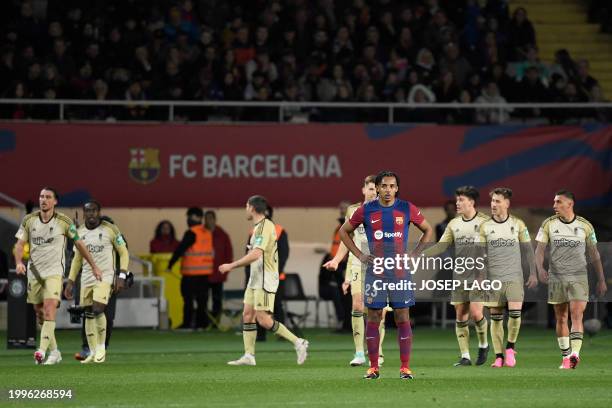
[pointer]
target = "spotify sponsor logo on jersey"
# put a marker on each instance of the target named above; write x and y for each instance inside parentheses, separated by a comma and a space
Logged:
(380, 235)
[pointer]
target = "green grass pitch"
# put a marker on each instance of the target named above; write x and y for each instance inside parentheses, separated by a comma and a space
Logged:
(172, 369)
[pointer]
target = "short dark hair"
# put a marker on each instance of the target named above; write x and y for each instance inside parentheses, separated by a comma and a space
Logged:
(386, 173)
(259, 203)
(566, 193)
(370, 179)
(92, 201)
(211, 212)
(468, 191)
(197, 211)
(54, 191)
(269, 212)
(503, 191)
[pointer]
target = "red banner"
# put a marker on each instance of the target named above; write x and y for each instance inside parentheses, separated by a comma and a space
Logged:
(310, 165)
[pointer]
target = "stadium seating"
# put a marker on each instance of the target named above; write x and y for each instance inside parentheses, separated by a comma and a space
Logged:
(344, 51)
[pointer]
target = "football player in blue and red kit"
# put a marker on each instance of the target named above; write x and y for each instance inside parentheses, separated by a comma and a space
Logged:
(386, 221)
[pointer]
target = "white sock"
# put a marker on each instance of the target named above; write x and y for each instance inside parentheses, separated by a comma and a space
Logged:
(465, 355)
(564, 344)
(483, 345)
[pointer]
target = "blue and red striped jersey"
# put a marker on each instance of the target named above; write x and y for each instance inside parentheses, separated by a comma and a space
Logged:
(387, 227)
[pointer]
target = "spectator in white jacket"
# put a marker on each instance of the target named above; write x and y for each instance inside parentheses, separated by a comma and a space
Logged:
(490, 94)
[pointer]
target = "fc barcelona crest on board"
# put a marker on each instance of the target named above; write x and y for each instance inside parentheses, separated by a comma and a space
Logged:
(144, 164)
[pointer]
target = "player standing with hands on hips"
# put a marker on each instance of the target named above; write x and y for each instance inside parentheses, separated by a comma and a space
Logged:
(386, 221)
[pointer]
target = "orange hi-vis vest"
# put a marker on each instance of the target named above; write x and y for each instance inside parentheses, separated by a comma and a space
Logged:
(199, 258)
(279, 230)
(336, 242)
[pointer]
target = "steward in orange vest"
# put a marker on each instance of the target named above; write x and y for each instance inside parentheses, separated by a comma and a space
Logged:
(199, 257)
(196, 251)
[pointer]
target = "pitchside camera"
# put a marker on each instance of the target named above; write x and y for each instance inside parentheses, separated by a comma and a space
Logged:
(77, 311)
(129, 280)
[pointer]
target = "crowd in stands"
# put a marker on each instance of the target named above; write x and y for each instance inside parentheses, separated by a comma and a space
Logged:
(281, 50)
(600, 11)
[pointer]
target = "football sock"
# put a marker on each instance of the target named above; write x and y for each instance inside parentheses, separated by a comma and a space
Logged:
(564, 345)
(358, 329)
(497, 332)
(373, 341)
(404, 338)
(382, 331)
(47, 332)
(514, 325)
(481, 332)
(101, 330)
(52, 342)
(575, 342)
(281, 330)
(249, 337)
(90, 331)
(462, 330)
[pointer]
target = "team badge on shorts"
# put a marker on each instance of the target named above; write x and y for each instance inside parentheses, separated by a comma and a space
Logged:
(144, 164)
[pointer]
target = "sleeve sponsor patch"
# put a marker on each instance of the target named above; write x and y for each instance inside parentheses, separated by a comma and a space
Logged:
(120, 240)
(73, 233)
(258, 240)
